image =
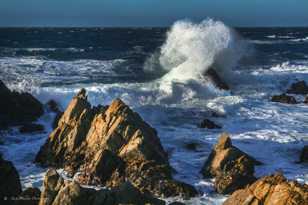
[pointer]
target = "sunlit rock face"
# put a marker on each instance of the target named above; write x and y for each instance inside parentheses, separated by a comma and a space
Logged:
(271, 190)
(109, 145)
(232, 168)
(57, 191)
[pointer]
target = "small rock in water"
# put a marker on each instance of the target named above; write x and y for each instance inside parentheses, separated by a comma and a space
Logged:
(32, 127)
(299, 87)
(232, 168)
(216, 79)
(53, 106)
(206, 123)
(283, 98)
(271, 190)
(193, 146)
(306, 99)
(304, 154)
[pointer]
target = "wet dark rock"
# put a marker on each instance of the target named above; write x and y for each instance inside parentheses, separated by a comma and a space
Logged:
(109, 145)
(306, 99)
(176, 203)
(283, 98)
(270, 190)
(57, 191)
(299, 87)
(304, 154)
(53, 106)
(32, 127)
(232, 168)
(216, 79)
(56, 119)
(17, 108)
(206, 123)
(10, 186)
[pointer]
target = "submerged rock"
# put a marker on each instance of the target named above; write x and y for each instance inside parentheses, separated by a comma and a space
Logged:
(299, 87)
(108, 145)
(9, 182)
(206, 123)
(232, 168)
(57, 191)
(31, 127)
(304, 154)
(271, 190)
(283, 98)
(17, 108)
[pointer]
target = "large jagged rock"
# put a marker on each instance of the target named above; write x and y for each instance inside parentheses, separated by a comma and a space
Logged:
(232, 168)
(271, 190)
(283, 98)
(57, 191)
(17, 108)
(299, 87)
(109, 146)
(9, 182)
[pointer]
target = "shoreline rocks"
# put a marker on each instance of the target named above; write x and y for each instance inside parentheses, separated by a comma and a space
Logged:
(17, 108)
(57, 191)
(9, 182)
(232, 168)
(109, 145)
(271, 190)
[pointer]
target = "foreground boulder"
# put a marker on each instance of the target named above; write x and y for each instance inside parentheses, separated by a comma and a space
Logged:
(271, 190)
(283, 98)
(9, 182)
(304, 154)
(232, 168)
(299, 87)
(57, 191)
(17, 108)
(109, 145)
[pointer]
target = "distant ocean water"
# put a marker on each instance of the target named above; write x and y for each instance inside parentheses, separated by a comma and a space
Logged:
(158, 72)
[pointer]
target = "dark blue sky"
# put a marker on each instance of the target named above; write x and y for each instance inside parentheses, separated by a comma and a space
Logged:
(151, 12)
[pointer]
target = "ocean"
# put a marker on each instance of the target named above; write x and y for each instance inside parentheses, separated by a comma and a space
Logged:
(159, 73)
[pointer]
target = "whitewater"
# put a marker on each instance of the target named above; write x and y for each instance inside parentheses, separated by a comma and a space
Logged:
(172, 93)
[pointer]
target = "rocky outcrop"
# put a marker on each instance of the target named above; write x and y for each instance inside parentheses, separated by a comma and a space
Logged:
(271, 190)
(283, 98)
(17, 108)
(232, 168)
(206, 123)
(57, 191)
(304, 154)
(299, 87)
(9, 182)
(109, 145)
(216, 79)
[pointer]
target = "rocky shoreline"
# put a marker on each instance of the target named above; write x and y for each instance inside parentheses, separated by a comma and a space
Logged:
(111, 146)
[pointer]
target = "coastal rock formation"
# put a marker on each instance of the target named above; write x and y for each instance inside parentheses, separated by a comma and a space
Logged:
(57, 191)
(9, 182)
(54, 107)
(109, 145)
(216, 79)
(271, 190)
(304, 154)
(232, 168)
(283, 98)
(299, 87)
(17, 108)
(206, 123)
